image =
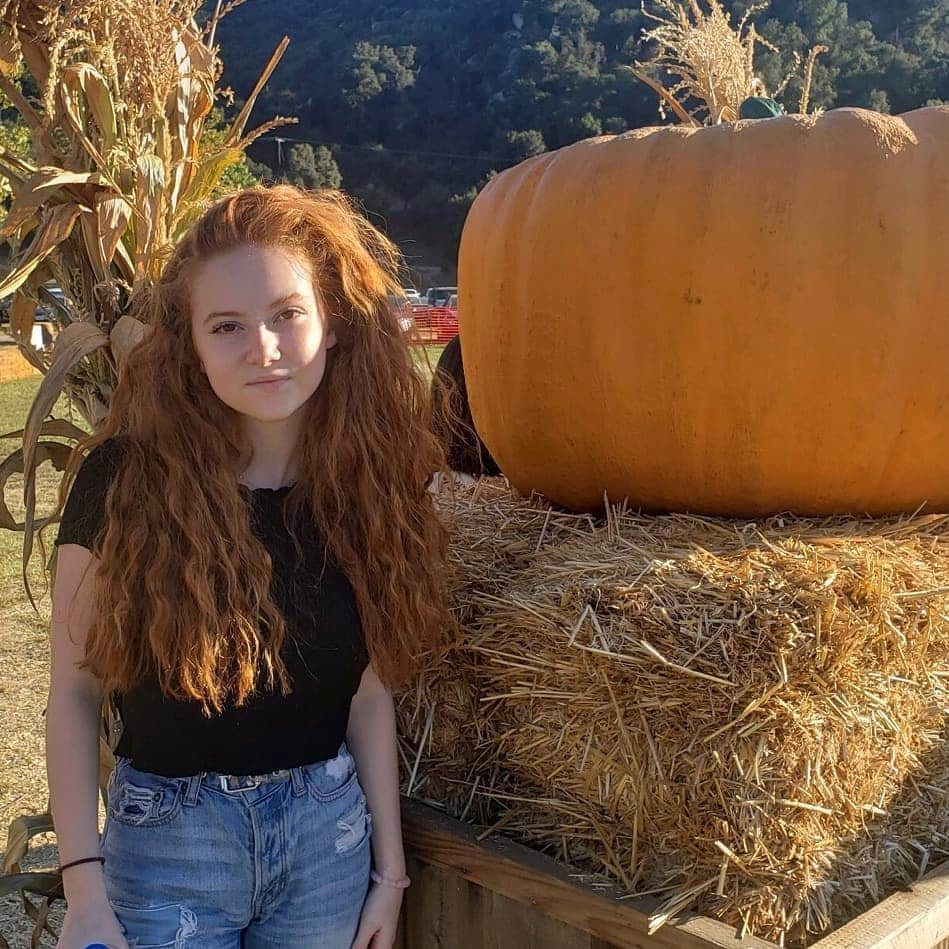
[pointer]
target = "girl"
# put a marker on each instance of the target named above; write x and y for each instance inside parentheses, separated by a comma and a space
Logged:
(249, 562)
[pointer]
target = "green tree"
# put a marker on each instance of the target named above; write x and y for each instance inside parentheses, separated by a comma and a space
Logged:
(376, 68)
(312, 168)
(525, 144)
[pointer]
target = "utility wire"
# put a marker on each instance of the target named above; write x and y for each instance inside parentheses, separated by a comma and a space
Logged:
(280, 139)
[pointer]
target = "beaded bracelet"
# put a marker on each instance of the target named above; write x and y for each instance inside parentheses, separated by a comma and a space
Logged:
(399, 884)
(75, 863)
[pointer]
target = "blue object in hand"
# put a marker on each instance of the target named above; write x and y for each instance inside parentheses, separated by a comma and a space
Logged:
(97, 945)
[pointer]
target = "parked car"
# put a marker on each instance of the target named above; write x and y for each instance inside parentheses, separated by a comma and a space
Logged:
(43, 312)
(438, 296)
(453, 302)
(412, 295)
(57, 293)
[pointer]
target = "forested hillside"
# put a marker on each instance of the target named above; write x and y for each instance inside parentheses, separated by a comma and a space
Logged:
(419, 101)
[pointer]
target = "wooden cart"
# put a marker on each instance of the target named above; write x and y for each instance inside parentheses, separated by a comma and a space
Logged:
(497, 894)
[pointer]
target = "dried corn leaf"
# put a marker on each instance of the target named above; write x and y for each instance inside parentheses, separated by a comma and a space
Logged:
(149, 195)
(55, 226)
(193, 102)
(113, 213)
(27, 112)
(95, 90)
(92, 241)
(127, 333)
(207, 173)
(41, 188)
(73, 107)
(33, 356)
(40, 883)
(22, 315)
(57, 453)
(56, 304)
(22, 831)
(34, 49)
(39, 914)
(14, 169)
(58, 427)
(235, 133)
(73, 344)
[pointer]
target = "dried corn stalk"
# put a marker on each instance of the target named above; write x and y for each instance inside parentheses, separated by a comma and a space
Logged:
(710, 62)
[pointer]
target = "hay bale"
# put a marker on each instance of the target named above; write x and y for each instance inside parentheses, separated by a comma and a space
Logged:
(744, 718)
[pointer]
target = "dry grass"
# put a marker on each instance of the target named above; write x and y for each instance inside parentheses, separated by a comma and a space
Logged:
(744, 718)
(24, 672)
(12, 364)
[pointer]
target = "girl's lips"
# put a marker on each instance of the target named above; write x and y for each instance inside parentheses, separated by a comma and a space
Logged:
(269, 383)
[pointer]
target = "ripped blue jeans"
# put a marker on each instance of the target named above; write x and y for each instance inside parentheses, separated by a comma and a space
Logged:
(276, 861)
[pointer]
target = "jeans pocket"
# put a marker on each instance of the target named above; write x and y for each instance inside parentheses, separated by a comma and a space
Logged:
(142, 799)
(155, 927)
(329, 780)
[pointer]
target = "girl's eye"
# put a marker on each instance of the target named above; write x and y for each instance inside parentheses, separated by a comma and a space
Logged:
(225, 328)
(289, 314)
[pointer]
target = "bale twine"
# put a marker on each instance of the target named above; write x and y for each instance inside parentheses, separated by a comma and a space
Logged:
(744, 718)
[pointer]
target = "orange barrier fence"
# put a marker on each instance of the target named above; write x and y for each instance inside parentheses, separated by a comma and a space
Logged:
(435, 324)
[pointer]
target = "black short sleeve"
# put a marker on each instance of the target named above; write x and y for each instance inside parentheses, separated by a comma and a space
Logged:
(84, 513)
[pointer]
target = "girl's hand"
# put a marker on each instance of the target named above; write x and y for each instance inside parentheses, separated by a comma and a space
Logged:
(88, 924)
(380, 918)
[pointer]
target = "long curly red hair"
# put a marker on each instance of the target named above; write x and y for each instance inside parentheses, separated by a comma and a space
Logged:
(182, 585)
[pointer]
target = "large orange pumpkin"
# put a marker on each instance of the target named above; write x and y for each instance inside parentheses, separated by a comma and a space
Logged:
(740, 319)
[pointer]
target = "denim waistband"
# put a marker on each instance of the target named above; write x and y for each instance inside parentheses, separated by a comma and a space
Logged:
(235, 783)
(240, 782)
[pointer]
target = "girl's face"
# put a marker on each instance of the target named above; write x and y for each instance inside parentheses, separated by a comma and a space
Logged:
(259, 330)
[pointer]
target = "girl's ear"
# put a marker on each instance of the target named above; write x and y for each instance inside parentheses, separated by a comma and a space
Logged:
(330, 339)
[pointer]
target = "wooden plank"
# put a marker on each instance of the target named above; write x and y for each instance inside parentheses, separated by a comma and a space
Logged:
(463, 912)
(449, 911)
(512, 925)
(917, 918)
(440, 910)
(525, 876)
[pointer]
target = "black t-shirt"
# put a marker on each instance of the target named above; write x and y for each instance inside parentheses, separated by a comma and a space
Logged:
(324, 653)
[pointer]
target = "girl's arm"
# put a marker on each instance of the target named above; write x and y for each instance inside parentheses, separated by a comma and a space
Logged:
(371, 738)
(72, 752)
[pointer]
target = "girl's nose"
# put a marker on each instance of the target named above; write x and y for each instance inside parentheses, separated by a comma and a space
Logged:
(263, 347)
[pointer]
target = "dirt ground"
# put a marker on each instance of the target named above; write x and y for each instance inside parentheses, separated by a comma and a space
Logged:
(24, 680)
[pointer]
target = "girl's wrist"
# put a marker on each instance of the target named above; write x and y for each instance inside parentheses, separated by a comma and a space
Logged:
(85, 883)
(396, 881)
